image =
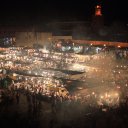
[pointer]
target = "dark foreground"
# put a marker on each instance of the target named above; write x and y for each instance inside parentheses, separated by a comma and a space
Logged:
(43, 114)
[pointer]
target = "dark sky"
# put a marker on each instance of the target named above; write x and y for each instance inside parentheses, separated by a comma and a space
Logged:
(14, 11)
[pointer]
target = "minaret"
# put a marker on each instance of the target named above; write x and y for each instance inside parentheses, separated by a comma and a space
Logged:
(98, 10)
(97, 20)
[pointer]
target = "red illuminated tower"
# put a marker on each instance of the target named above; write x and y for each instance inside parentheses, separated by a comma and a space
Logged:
(98, 10)
(97, 20)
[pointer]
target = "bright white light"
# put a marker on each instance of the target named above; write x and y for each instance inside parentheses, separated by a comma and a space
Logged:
(77, 49)
(101, 97)
(78, 67)
(109, 95)
(93, 93)
(14, 74)
(45, 51)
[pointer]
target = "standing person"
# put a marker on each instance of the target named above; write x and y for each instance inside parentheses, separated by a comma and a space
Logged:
(17, 98)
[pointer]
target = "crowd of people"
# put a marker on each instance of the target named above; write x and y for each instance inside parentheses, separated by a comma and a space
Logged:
(36, 87)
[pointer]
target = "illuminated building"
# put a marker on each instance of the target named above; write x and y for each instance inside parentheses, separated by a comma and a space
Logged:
(97, 19)
(93, 29)
(98, 10)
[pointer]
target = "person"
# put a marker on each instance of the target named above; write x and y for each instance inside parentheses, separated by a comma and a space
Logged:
(17, 98)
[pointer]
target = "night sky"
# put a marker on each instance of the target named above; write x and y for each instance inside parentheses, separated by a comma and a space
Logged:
(18, 11)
